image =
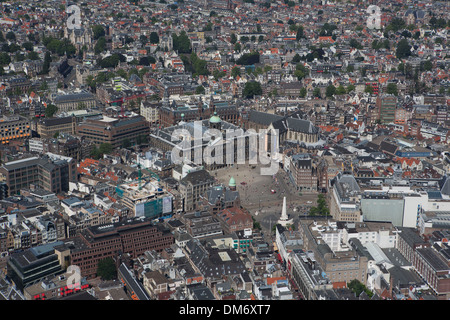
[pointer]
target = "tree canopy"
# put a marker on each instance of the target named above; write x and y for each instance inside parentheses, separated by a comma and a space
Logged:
(50, 110)
(248, 59)
(98, 31)
(195, 65)
(106, 269)
(392, 89)
(403, 49)
(181, 43)
(251, 89)
(300, 71)
(154, 37)
(357, 287)
(322, 208)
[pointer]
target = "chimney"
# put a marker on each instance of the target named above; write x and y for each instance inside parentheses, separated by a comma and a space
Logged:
(391, 284)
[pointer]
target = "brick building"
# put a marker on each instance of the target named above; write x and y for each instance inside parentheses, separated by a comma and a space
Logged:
(47, 127)
(113, 130)
(133, 237)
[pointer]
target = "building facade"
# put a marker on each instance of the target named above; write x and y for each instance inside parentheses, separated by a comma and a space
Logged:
(113, 130)
(51, 173)
(14, 128)
(48, 127)
(132, 237)
(386, 106)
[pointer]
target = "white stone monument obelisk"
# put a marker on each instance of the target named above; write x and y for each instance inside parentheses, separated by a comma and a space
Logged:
(284, 219)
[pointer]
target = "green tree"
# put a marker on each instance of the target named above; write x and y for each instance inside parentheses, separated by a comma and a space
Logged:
(357, 287)
(392, 88)
(296, 58)
(248, 59)
(10, 35)
(300, 33)
(403, 49)
(200, 90)
(5, 59)
(195, 65)
(50, 110)
(330, 91)
(368, 89)
(427, 65)
(146, 61)
(143, 39)
(256, 224)
(208, 26)
(303, 92)
(154, 37)
(251, 89)
(106, 269)
(32, 55)
(350, 88)
(142, 72)
(340, 90)
(321, 208)
(110, 61)
(316, 92)
(98, 31)
(90, 81)
(43, 86)
(235, 72)
(218, 74)
(100, 45)
(105, 148)
(46, 64)
(300, 71)
(395, 25)
(233, 38)
(27, 46)
(355, 44)
(95, 153)
(19, 57)
(327, 30)
(181, 43)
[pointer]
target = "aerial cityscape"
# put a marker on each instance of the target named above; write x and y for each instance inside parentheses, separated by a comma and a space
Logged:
(227, 150)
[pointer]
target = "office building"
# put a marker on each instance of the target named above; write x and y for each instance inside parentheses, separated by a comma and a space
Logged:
(50, 172)
(32, 265)
(193, 186)
(345, 198)
(48, 127)
(14, 128)
(114, 131)
(130, 237)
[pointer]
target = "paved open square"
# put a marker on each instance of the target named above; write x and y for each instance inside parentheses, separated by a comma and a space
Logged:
(263, 195)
